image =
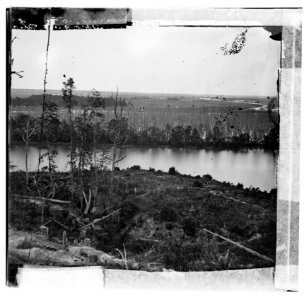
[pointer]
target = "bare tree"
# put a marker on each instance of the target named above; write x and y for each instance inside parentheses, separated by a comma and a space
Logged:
(117, 128)
(96, 118)
(44, 112)
(29, 126)
(13, 72)
(42, 126)
(51, 125)
(67, 92)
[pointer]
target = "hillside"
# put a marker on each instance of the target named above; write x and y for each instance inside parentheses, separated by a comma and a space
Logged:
(158, 221)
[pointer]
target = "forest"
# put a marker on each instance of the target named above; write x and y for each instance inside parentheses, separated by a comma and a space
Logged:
(177, 136)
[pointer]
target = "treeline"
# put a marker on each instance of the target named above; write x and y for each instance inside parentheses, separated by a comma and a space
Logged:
(186, 136)
(80, 101)
(177, 136)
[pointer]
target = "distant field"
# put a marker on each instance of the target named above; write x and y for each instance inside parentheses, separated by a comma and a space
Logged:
(138, 97)
(143, 111)
(233, 120)
(142, 101)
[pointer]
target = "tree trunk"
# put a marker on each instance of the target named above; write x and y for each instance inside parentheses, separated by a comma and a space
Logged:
(71, 154)
(50, 168)
(26, 162)
(95, 168)
(112, 171)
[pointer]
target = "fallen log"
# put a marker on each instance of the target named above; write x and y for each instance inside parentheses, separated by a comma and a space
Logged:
(39, 256)
(99, 220)
(75, 256)
(37, 250)
(240, 246)
(235, 200)
(144, 195)
(149, 240)
(98, 257)
(20, 240)
(60, 224)
(36, 198)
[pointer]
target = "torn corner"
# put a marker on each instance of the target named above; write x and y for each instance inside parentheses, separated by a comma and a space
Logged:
(12, 273)
(69, 18)
(275, 32)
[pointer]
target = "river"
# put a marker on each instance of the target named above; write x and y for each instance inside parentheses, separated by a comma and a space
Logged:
(255, 168)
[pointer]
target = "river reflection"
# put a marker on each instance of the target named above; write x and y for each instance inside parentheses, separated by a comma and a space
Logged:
(255, 168)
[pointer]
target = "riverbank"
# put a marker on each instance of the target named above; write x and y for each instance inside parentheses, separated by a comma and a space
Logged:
(208, 147)
(155, 221)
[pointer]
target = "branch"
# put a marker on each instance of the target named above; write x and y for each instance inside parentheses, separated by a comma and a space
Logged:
(42, 199)
(99, 220)
(121, 109)
(115, 104)
(33, 130)
(233, 199)
(60, 224)
(85, 197)
(241, 246)
(88, 202)
(17, 73)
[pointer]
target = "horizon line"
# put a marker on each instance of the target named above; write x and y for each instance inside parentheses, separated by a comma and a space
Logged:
(164, 93)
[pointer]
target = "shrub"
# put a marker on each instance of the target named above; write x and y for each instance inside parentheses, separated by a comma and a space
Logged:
(172, 171)
(238, 229)
(273, 194)
(151, 170)
(240, 186)
(190, 226)
(103, 188)
(176, 253)
(157, 197)
(170, 226)
(135, 168)
(180, 254)
(128, 210)
(207, 176)
(168, 213)
(138, 246)
(197, 183)
(121, 188)
(132, 184)
(117, 169)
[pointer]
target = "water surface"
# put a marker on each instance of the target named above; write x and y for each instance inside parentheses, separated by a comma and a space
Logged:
(255, 168)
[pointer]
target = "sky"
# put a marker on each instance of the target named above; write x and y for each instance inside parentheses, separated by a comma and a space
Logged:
(149, 59)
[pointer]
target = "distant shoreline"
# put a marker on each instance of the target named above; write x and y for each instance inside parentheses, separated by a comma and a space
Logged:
(16, 92)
